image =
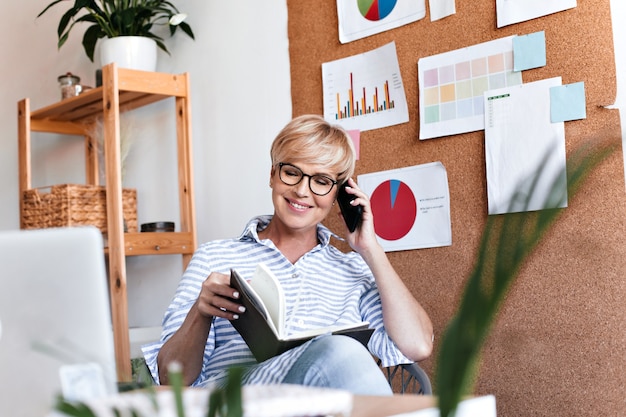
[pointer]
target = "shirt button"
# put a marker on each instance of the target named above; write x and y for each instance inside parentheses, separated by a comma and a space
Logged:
(294, 276)
(300, 322)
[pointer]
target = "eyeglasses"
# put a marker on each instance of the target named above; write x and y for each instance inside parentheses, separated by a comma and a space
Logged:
(292, 175)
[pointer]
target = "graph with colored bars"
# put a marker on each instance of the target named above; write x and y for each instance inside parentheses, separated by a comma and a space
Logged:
(355, 106)
(365, 91)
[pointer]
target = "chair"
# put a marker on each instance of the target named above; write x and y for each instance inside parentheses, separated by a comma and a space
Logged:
(413, 379)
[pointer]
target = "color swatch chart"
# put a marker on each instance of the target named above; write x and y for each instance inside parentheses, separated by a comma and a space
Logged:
(365, 91)
(452, 86)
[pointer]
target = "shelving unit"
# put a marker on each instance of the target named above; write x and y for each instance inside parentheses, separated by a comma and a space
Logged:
(122, 90)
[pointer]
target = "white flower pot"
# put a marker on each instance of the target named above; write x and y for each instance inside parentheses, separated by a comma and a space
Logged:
(133, 52)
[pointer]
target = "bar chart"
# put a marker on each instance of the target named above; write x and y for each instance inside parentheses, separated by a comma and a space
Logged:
(355, 105)
(365, 91)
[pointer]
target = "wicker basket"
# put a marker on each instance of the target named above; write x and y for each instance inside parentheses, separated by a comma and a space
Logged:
(74, 205)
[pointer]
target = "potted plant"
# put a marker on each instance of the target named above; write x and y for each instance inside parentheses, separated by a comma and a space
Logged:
(120, 21)
(507, 243)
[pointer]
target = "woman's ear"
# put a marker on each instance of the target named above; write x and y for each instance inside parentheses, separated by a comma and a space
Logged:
(272, 172)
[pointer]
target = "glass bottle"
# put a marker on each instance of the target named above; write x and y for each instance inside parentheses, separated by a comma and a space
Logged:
(69, 85)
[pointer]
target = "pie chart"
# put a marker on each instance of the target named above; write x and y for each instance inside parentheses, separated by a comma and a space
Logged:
(375, 10)
(394, 208)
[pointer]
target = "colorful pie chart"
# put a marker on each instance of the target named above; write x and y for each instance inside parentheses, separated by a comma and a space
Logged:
(394, 208)
(375, 10)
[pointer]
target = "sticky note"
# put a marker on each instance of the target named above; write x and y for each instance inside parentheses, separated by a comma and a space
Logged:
(567, 102)
(529, 51)
(355, 134)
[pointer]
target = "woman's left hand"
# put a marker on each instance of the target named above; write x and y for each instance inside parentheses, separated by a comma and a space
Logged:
(363, 236)
(414, 337)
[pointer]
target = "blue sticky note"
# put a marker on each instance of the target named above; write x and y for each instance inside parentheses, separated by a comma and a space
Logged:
(529, 51)
(567, 102)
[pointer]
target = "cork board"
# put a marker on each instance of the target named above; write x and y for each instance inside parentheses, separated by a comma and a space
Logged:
(559, 343)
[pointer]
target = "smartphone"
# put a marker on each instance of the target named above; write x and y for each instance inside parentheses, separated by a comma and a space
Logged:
(351, 214)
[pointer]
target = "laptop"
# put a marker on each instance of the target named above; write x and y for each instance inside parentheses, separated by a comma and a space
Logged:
(55, 324)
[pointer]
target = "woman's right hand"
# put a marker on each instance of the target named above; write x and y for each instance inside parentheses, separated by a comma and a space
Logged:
(217, 298)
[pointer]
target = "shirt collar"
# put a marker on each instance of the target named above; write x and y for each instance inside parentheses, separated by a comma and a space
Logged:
(260, 222)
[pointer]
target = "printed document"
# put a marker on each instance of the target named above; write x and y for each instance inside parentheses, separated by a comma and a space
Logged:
(524, 150)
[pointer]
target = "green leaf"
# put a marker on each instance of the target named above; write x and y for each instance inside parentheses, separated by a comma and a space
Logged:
(160, 44)
(73, 410)
(116, 18)
(227, 401)
(49, 6)
(233, 392)
(185, 28)
(65, 20)
(175, 376)
(216, 401)
(507, 242)
(92, 34)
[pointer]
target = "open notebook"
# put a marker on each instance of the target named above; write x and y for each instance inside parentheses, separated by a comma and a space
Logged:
(55, 323)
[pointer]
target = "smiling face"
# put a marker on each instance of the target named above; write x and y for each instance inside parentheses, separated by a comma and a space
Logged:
(296, 206)
(315, 147)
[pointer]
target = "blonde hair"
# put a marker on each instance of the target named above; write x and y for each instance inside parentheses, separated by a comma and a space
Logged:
(312, 139)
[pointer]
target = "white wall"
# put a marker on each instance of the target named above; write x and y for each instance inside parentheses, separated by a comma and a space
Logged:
(239, 66)
(240, 83)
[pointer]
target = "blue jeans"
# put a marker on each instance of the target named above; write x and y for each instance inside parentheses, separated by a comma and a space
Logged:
(339, 362)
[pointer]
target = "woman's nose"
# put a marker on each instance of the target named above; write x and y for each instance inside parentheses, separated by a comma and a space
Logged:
(302, 188)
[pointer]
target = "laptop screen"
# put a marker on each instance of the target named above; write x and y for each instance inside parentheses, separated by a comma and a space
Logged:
(55, 323)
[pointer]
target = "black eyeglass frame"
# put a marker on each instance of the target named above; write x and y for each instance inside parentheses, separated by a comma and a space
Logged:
(280, 169)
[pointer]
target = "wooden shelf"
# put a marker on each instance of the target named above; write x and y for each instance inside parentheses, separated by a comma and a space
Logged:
(122, 90)
(157, 243)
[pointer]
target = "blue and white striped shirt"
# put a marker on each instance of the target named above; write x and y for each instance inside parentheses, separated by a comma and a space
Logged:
(324, 287)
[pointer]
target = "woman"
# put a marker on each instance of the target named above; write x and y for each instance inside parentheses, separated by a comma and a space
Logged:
(323, 286)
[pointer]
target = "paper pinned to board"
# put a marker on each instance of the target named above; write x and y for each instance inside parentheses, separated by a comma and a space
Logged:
(441, 8)
(524, 150)
(567, 102)
(365, 91)
(515, 11)
(411, 206)
(451, 86)
(359, 19)
(529, 51)
(355, 135)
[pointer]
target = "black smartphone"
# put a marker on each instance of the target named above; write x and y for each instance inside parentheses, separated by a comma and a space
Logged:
(351, 214)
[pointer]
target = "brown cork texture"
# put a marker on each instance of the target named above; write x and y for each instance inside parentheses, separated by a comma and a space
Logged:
(559, 344)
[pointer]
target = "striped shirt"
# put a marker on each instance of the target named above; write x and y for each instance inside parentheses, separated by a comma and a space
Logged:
(324, 287)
